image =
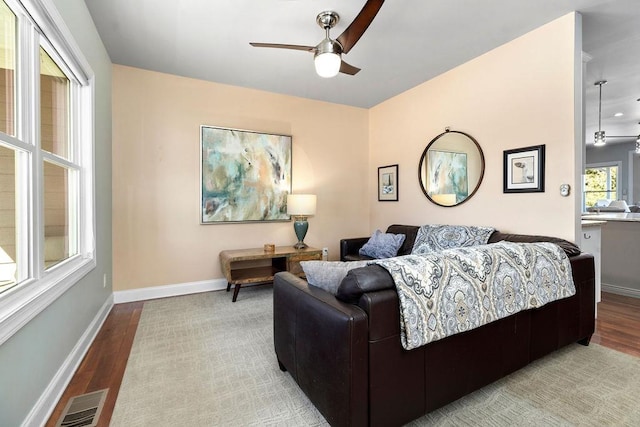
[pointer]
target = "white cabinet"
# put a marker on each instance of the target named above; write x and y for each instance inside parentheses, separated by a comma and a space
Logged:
(592, 243)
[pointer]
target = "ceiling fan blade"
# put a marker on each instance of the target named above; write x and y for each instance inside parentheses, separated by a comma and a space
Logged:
(348, 69)
(284, 46)
(356, 29)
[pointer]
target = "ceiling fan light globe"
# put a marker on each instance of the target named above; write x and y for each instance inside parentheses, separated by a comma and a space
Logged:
(599, 139)
(327, 64)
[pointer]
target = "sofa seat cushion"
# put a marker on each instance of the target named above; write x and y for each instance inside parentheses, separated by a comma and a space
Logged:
(357, 257)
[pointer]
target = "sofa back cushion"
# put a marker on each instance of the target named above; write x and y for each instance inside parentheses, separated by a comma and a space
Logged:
(410, 232)
(571, 249)
(362, 280)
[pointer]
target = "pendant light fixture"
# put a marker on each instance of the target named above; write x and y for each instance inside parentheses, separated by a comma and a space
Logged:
(627, 137)
(599, 138)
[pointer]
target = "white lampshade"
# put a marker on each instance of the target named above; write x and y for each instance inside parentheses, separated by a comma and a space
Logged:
(327, 64)
(301, 204)
(599, 139)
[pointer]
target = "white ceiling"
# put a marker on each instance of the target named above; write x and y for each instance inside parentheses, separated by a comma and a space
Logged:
(409, 42)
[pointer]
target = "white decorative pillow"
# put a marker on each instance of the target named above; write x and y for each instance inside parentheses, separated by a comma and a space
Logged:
(328, 275)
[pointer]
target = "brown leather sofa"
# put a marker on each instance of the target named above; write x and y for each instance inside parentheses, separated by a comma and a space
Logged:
(345, 352)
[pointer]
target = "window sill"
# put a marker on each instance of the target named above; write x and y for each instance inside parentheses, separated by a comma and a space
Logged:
(29, 299)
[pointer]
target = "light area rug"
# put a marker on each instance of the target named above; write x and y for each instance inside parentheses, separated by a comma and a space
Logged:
(201, 360)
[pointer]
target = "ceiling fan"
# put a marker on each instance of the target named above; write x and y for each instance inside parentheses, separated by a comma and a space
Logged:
(328, 53)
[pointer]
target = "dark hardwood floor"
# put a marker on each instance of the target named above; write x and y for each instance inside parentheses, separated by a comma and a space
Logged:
(618, 323)
(617, 327)
(104, 364)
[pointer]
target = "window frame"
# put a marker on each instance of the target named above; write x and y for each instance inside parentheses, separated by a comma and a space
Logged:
(40, 25)
(608, 165)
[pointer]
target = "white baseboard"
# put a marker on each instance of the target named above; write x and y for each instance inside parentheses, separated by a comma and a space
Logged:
(143, 294)
(621, 290)
(48, 400)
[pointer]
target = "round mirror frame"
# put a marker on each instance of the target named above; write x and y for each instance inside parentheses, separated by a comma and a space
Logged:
(424, 156)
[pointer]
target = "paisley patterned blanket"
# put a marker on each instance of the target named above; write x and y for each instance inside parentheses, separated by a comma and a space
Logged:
(455, 290)
(433, 238)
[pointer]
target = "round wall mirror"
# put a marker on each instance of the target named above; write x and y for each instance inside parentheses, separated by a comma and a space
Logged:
(451, 168)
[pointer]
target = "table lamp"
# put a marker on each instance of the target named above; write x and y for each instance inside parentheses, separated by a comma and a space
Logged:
(300, 206)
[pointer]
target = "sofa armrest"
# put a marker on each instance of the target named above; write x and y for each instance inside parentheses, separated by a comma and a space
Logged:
(583, 270)
(323, 343)
(349, 248)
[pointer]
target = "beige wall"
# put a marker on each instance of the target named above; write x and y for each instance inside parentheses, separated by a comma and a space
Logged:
(157, 238)
(517, 95)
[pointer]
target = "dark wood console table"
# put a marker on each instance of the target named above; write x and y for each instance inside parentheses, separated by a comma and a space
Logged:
(239, 266)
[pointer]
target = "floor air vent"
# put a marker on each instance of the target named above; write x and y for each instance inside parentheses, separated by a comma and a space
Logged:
(83, 410)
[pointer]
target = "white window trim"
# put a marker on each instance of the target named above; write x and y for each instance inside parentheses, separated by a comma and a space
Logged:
(22, 303)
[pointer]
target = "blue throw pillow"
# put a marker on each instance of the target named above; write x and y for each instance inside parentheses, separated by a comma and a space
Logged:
(382, 245)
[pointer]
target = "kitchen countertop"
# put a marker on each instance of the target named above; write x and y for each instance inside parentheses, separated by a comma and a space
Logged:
(612, 216)
(592, 223)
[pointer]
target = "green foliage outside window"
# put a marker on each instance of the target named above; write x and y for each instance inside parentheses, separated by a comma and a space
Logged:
(600, 183)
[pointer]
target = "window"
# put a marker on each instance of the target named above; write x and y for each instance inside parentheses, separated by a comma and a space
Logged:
(600, 183)
(46, 166)
(7, 69)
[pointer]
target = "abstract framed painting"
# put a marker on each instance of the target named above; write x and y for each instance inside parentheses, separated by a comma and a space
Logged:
(245, 176)
(524, 170)
(448, 176)
(388, 183)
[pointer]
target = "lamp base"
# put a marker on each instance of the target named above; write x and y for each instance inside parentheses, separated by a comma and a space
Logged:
(300, 245)
(300, 225)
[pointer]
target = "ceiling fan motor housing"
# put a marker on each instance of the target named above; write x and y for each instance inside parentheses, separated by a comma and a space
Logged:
(327, 19)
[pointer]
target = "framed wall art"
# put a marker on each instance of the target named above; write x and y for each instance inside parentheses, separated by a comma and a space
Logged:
(245, 175)
(447, 175)
(388, 183)
(524, 170)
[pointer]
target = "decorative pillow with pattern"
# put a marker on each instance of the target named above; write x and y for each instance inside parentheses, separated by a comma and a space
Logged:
(382, 245)
(328, 275)
(433, 238)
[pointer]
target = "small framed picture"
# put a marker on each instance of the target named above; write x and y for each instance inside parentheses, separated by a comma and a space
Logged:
(388, 183)
(524, 170)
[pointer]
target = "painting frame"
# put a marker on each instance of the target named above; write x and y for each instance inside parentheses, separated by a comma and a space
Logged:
(388, 183)
(524, 170)
(245, 175)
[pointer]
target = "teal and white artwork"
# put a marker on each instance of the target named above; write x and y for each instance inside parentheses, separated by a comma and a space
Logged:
(245, 175)
(447, 174)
